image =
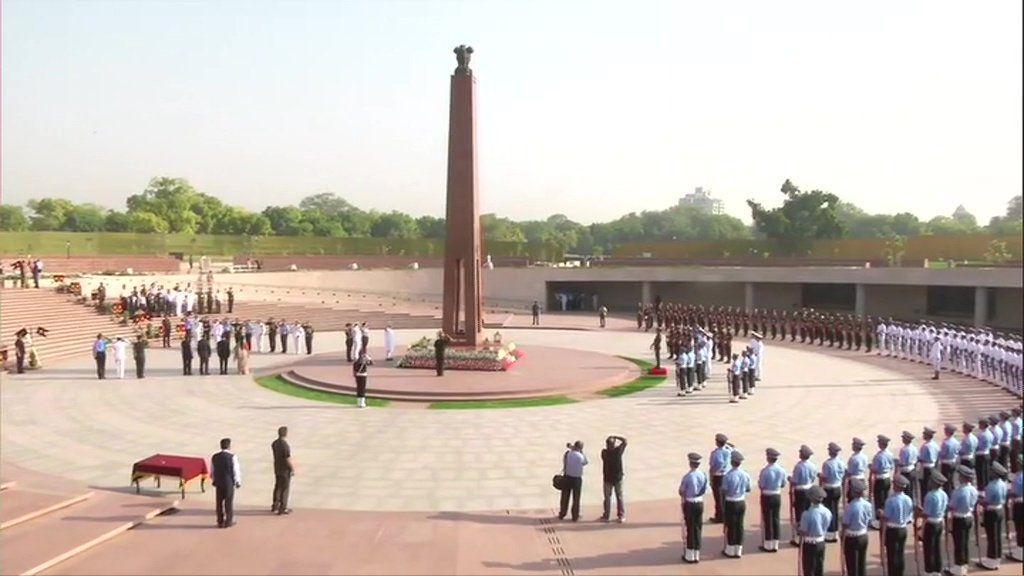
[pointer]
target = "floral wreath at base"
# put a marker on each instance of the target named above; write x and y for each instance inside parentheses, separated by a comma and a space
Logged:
(489, 359)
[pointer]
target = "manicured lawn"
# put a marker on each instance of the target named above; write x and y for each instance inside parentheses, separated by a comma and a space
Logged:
(278, 384)
(513, 403)
(644, 382)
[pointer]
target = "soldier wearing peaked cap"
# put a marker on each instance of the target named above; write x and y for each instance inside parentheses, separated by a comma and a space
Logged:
(718, 465)
(857, 464)
(1017, 511)
(961, 509)
(735, 487)
(804, 475)
(882, 466)
(1016, 443)
(907, 461)
(927, 459)
(856, 519)
(933, 512)
(1006, 439)
(771, 481)
(832, 473)
(898, 513)
(982, 453)
(691, 490)
(813, 525)
(994, 499)
(949, 452)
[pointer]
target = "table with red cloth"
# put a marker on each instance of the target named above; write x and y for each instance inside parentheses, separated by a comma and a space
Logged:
(184, 468)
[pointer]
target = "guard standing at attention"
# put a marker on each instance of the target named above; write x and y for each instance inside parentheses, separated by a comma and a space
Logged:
(203, 350)
(771, 481)
(833, 471)
(718, 465)
(856, 518)
(881, 472)
(933, 511)
(961, 509)
(898, 512)
(994, 500)
(692, 489)
(186, 356)
(813, 525)
(805, 473)
(139, 352)
(440, 346)
(735, 487)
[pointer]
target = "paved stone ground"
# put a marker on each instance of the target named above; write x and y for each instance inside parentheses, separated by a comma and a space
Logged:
(63, 421)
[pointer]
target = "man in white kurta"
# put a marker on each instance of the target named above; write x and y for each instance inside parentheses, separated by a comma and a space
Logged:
(357, 340)
(298, 334)
(120, 356)
(389, 342)
(258, 329)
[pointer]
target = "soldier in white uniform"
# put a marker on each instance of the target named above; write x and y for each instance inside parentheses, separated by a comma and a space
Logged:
(936, 357)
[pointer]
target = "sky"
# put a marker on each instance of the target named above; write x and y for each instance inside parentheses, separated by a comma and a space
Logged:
(590, 109)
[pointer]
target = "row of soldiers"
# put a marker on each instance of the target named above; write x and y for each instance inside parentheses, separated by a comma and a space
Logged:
(695, 349)
(979, 353)
(251, 334)
(926, 490)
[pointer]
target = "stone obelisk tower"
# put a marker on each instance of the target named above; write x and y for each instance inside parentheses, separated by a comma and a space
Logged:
(462, 316)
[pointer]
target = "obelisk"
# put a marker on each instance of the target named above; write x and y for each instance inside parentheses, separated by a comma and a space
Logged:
(462, 314)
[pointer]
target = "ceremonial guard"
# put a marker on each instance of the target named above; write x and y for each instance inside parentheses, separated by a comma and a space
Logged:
(805, 473)
(770, 482)
(1017, 513)
(881, 476)
(897, 514)
(857, 464)
(735, 487)
(933, 513)
(691, 490)
(927, 459)
(139, 351)
(165, 331)
(949, 452)
(735, 374)
(833, 471)
(272, 334)
(656, 346)
(814, 523)
(994, 500)
(907, 461)
(982, 456)
(856, 518)
(1016, 446)
(186, 356)
(1006, 439)
(961, 511)
(718, 465)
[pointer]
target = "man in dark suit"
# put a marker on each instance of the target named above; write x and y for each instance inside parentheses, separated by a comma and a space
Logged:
(224, 352)
(19, 352)
(203, 349)
(231, 301)
(308, 331)
(283, 471)
(186, 355)
(272, 331)
(227, 476)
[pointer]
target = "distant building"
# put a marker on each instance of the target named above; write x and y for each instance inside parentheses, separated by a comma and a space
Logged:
(702, 200)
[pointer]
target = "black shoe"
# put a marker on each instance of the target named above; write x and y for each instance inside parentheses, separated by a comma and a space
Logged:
(230, 524)
(284, 512)
(714, 520)
(273, 508)
(794, 543)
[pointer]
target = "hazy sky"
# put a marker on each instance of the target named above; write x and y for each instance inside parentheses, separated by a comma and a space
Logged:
(586, 108)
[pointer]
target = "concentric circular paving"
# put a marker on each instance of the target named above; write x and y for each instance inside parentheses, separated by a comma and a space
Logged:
(63, 421)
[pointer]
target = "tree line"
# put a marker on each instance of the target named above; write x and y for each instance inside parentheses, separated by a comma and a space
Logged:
(172, 205)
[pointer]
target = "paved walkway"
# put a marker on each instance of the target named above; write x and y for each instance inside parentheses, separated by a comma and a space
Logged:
(63, 421)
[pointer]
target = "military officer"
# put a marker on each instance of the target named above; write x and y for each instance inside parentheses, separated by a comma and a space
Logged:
(933, 512)
(718, 465)
(771, 481)
(961, 509)
(898, 513)
(949, 452)
(691, 490)
(927, 459)
(857, 518)
(907, 461)
(814, 524)
(994, 499)
(832, 473)
(882, 466)
(804, 474)
(735, 487)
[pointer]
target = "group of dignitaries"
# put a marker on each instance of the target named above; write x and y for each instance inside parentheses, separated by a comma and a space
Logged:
(202, 336)
(933, 492)
(157, 300)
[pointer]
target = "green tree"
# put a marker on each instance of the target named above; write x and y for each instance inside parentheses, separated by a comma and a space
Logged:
(1010, 223)
(395, 225)
(171, 200)
(50, 213)
(432, 227)
(324, 224)
(803, 217)
(947, 226)
(147, 223)
(906, 224)
(287, 221)
(501, 229)
(85, 218)
(117, 222)
(997, 252)
(12, 218)
(328, 203)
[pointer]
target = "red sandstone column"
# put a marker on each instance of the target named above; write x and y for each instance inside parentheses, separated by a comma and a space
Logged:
(462, 316)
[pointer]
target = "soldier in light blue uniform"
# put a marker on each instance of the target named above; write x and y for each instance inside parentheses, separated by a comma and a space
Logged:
(735, 487)
(982, 456)
(1017, 510)
(1005, 439)
(691, 490)
(771, 481)
(857, 518)
(681, 374)
(968, 446)
(933, 511)
(1016, 439)
(949, 453)
(804, 475)
(907, 461)
(735, 370)
(718, 465)
(857, 464)
(814, 523)
(882, 466)
(994, 500)
(832, 473)
(961, 510)
(898, 513)
(927, 460)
